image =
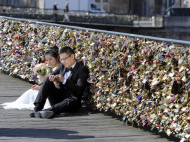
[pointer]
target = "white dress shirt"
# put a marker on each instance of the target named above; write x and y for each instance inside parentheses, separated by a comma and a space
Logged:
(67, 75)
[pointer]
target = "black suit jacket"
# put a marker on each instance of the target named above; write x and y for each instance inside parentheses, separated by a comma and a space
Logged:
(76, 82)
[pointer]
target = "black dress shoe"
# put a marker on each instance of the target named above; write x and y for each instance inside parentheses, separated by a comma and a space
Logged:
(43, 114)
(32, 114)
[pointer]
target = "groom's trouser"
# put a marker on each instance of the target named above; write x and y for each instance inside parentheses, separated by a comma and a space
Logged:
(60, 101)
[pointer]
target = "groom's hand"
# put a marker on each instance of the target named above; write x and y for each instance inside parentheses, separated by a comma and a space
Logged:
(60, 78)
(52, 78)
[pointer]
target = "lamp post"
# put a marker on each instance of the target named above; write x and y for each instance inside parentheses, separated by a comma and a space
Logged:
(167, 4)
(79, 6)
(180, 3)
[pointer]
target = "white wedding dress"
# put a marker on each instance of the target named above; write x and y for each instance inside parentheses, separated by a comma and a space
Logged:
(25, 101)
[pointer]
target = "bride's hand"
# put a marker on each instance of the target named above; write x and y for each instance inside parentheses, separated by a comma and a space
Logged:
(35, 87)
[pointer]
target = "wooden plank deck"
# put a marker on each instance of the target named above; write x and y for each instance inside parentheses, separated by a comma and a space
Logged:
(83, 126)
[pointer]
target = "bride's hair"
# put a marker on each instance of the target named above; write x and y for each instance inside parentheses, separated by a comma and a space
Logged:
(53, 51)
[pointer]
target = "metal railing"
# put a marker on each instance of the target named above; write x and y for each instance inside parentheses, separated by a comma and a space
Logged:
(86, 17)
(134, 36)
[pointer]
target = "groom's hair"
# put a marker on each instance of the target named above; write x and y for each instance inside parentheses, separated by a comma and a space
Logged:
(66, 49)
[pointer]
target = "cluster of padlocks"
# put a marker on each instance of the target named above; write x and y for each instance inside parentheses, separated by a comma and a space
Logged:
(147, 82)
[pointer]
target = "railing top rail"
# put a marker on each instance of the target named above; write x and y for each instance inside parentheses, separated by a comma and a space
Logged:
(107, 32)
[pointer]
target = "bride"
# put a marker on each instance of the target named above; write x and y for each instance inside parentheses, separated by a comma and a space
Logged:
(26, 100)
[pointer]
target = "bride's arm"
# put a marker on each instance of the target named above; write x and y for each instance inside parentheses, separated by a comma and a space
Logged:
(42, 78)
(56, 71)
(35, 87)
(56, 84)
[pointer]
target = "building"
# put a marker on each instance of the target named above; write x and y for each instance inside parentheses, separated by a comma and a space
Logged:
(136, 7)
(19, 3)
(104, 4)
(114, 6)
(141, 7)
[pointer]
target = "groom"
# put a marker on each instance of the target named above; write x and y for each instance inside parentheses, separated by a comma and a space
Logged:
(66, 97)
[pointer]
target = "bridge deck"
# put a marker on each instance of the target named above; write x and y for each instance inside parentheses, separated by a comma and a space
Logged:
(83, 126)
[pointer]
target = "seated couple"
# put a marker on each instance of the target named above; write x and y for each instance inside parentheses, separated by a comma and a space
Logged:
(63, 87)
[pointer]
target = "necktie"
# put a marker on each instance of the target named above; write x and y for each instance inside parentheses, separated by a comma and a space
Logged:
(68, 69)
